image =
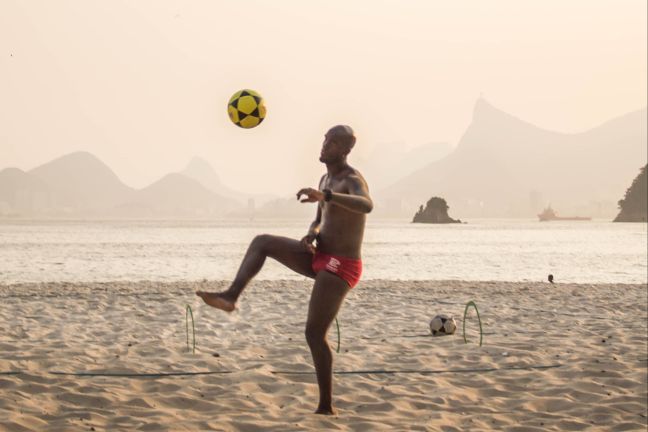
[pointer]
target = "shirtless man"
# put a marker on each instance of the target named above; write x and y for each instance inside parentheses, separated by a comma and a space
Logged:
(329, 253)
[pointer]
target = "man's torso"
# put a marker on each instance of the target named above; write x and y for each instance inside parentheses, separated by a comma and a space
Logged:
(341, 230)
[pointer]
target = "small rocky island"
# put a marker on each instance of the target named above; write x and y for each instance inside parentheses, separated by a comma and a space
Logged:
(634, 206)
(436, 211)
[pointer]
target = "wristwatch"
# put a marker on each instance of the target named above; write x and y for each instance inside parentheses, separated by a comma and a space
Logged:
(328, 195)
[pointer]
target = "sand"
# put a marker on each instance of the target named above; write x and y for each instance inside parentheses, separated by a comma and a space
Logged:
(554, 357)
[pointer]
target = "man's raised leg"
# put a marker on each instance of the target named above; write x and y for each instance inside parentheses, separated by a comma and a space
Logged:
(327, 297)
(287, 251)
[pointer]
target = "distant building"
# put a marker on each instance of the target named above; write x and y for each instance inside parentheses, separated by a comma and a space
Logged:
(5, 208)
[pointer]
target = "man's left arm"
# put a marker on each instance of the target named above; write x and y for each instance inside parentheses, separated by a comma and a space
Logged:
(357, 200)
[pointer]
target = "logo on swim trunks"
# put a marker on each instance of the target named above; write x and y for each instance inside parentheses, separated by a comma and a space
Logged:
(333, 265)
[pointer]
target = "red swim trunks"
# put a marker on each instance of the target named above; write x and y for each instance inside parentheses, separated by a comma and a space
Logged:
(349, 269)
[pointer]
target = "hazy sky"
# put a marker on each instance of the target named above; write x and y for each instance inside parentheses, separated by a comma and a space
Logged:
(144, 85)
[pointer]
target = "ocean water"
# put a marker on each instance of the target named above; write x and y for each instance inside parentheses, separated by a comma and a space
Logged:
(504, 250)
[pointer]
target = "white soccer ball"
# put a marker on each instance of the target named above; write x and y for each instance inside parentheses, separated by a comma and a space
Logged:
(442, 325)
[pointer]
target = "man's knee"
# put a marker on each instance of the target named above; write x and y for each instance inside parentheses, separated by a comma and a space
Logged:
(262, 242)
(314, 335)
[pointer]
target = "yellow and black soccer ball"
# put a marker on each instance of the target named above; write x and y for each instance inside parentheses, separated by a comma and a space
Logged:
(246, 109)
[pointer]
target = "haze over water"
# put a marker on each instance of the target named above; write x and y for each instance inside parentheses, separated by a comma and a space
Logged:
(482, 250)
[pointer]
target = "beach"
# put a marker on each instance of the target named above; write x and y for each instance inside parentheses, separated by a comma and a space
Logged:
(116, 356)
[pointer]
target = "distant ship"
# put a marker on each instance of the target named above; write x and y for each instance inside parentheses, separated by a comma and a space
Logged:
(549, 215)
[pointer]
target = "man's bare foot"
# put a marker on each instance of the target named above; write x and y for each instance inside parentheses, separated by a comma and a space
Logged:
(218, 300)
(325, 410)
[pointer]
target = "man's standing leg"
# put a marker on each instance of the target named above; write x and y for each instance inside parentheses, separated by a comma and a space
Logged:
(327, 297)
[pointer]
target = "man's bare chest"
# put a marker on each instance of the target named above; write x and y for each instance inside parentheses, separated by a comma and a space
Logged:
(335, 185)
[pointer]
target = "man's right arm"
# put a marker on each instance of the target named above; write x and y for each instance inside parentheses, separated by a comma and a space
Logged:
(314, 227)
(313, 230)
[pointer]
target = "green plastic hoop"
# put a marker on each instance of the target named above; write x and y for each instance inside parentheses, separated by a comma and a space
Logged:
(481, 332)
(338, 331)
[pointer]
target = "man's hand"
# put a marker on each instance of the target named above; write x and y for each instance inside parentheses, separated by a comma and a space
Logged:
(312, 195)
(307, 242)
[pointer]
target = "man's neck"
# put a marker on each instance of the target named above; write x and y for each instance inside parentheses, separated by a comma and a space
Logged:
(336, 168)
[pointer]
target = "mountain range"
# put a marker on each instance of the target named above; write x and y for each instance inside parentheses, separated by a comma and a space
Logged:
(80, 185)
(501, 167)
(507, 167)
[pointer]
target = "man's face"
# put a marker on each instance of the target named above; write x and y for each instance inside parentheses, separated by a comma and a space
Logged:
(332, 150)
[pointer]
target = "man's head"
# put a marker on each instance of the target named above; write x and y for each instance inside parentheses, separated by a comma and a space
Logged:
(338, 142)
